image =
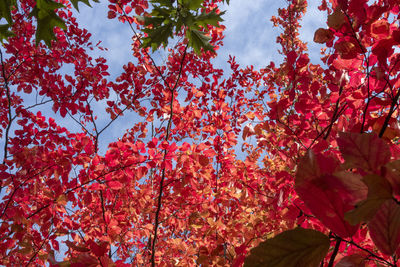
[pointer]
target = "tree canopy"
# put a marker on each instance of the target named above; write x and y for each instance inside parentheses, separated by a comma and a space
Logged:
(293, 164)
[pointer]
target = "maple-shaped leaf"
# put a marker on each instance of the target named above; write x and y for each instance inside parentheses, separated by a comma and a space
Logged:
(384, 228)
(47, 19)
(5, 33)
(379, 191)
(76, 2)
(191, 4)
(211, 18)
(298, 248)
(198, 40)
(365, 151)
(5, 9)
(327, 197)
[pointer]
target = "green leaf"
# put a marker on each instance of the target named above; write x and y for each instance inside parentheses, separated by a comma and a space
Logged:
(75, 3)
(5, 9)
(157, 36)
(198, 40)
(379, 190)
(191, 4)
(47, 19)
(4, 32)
(167, 3)
(294, 248)
(211, 18)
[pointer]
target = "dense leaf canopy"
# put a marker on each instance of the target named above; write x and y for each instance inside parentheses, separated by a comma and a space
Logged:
(293, 164)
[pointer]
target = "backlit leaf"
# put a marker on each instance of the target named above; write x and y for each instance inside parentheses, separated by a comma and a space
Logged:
(355, 260)
(324, 193)
(365, 151)
(198, 40)
(336, 19)
(322, 36)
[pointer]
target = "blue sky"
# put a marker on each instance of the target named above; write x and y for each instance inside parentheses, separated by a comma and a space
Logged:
(249, 33)
(249, 36)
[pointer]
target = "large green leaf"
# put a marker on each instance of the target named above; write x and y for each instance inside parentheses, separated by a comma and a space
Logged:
(47, 19)
(166, 18)
(157, 36)
(198, 40)
(294, 248)
(75, 3)
(5, 33)
(211, 18)
(5, 9)
(191, 4)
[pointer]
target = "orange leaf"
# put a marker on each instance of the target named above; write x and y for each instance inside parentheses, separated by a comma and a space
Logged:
(336, 19)
(322, 36)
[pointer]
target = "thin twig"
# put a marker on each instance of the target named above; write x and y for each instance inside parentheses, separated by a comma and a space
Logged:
(160, 193)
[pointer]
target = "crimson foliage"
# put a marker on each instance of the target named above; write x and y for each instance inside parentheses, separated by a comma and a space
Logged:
(317, 180)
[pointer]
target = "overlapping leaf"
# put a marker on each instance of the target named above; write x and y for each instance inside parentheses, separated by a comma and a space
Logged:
(298, 248)
(365, 151)
(384, 227)
(379, 191)
(166, 19)
(324, 193)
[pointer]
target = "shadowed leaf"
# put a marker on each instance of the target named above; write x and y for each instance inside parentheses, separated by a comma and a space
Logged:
(298, 248)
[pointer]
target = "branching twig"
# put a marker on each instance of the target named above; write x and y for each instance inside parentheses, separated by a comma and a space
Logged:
(160, 193)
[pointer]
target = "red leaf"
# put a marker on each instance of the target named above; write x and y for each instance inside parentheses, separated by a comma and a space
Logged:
(98, 249)
(322, 36)
(323, 193)
(115, 185)
(384, 228)
(355, 260)
(364, 151)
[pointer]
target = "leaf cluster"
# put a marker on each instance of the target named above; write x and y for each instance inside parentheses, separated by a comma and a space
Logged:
(45, 14)
(168, 19)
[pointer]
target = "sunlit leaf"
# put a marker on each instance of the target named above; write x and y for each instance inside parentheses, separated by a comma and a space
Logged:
(327, 197)
(364, 151)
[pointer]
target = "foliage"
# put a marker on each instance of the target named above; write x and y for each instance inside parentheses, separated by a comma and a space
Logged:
(165, 18)
(45, 13)
(295, 163)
